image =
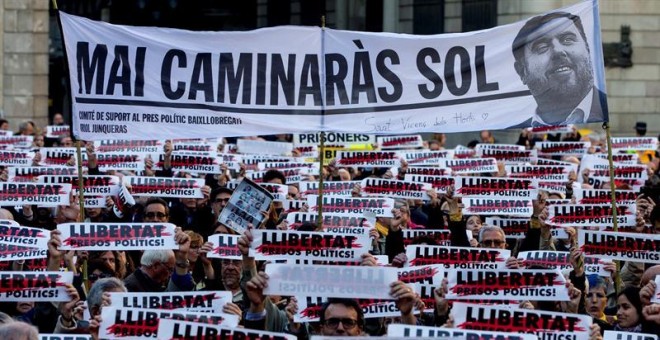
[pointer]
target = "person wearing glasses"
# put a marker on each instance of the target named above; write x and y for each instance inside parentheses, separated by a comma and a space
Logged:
(219, 198)
(156, 210)
(341, 317)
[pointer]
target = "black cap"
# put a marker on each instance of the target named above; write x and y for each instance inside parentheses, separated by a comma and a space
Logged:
(215, 192)
(640, 126)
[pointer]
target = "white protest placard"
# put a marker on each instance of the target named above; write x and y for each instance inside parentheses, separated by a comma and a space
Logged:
(92, 184)
(457, 257)
(309, 308)
(225, 246)
(306, 151)
(129, 146)
(286, 165)
(34, 286)
(203, 145)
(333, 138)
(247, 146)
(293, 175)
(622, 157)
(428, 171)
(594, 265)
(441, 237)
(30, 173)
(119, 161)
(429, 274)
(164, 186)
(585, 215)
(117, 236)
(400, 142)
(374, 159)
(505, 284)
(24, 236)
(382, 207)
(352, 282)
(471, 165)
(634, 143)
(191, 161)
(599, 196)
(496, 187)
(57, 156)
(63, 336)
(290, 206)
(509, 156)
(546, 325)
(16, 141)
(330, 188)
(620, 246)
(330, 220)
(540, 172)
(44, 195)
(546, 259)
(252, 161)
(337, 246)
(615, 335)
(197, 301)
(544, 129)
(395, 188)
(553, 187)
(56, 131)
(184, 329)
(410, 331)
(16, 158)
(279, 191)
(514, 227)
(656, 295)
(12, 252)
(497, 206)
(562, 148)
(425, 157)
(439, 183)
(245, 206)
(141, 323)
(497, 146)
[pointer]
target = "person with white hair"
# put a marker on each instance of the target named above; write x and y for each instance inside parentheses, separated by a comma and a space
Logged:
(18, 330)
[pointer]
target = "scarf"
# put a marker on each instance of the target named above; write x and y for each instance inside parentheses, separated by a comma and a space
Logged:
(636, 329)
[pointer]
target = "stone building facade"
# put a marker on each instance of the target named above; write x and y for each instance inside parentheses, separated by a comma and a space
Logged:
(24, 60)
(633, 93)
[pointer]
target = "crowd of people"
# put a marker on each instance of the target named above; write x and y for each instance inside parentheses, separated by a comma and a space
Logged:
(621, 301)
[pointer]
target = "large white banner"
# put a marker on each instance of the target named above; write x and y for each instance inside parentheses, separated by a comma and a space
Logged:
(150, 83)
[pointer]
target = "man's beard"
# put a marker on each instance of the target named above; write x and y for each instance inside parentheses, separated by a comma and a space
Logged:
(563, 95)
(231, 279)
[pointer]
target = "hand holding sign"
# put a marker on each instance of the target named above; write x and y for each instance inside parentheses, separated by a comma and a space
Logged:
(255, 292)
(648, 293)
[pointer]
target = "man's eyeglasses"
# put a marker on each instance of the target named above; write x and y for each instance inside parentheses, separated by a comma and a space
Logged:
(156, 214)
(346, 322)
(221, 200)
(169, 269)
(492, 243)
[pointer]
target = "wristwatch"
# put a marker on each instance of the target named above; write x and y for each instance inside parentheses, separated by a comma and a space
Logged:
(183, 264)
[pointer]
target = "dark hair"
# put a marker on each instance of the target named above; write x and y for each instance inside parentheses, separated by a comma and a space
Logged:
(350, 303)
(535, 23)
(274, 174)
(158, 200)
(219, 190)
(632, 294)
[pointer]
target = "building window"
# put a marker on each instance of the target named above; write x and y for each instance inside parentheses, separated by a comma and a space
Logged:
(479, 14)
(279, 12)
(428, 16)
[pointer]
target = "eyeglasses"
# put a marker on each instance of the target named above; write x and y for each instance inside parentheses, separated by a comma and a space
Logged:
(346, 322)
(492, 243)
(169, 269)
(235, 263)
(156, 214)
